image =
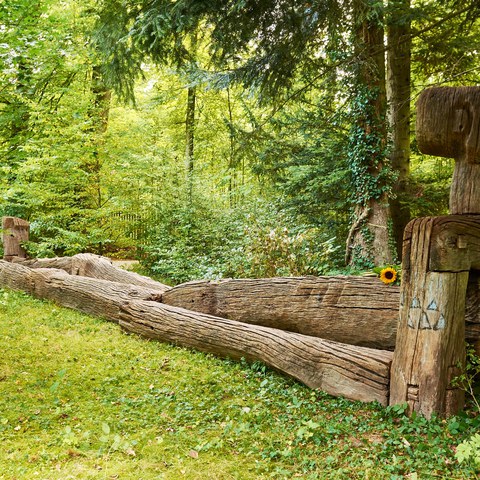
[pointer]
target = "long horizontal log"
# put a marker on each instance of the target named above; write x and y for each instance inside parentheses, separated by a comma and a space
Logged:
(97, 297)
(94, 266)
(354, 372)
(357, 373)
(354, 310)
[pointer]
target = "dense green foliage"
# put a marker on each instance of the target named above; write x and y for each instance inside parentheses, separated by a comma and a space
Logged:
(280, 136)
(80, 399)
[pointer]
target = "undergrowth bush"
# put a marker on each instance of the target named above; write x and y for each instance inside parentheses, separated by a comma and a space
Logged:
(468, 451)
(198, 241)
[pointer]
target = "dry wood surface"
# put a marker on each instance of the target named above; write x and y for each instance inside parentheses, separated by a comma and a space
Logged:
(431, 334)
(94, 266)
(354, 372)
(354, 310)
(448, 125)
(15, 231)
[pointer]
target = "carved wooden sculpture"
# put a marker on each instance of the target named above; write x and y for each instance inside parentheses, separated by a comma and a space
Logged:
(15, 232)
(438, 255)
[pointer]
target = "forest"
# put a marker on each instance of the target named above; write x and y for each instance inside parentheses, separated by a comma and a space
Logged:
(214, 139)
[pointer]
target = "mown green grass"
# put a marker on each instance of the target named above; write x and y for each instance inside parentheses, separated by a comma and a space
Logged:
(80, 399)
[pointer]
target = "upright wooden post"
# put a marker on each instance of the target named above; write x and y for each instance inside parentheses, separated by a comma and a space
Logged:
(438, 254)
(15, 231)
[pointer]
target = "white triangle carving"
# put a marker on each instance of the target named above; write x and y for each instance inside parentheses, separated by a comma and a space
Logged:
(441, 323)
(432, 305)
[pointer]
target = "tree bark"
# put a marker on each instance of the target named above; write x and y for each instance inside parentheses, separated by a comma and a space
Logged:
(99, 114)
(190, 138)
(398, 94)
(370, 241)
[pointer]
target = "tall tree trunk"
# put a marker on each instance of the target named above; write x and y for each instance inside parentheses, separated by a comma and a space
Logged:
(232, 160)
(368, 240)
(190, 138)
(99, 117)
(399, 92)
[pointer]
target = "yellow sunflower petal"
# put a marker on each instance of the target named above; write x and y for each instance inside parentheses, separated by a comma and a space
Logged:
(388, 275)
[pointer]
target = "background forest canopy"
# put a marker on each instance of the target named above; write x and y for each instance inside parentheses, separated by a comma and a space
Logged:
(226, 138)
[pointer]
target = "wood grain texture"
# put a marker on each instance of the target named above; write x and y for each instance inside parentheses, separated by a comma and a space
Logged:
(356, 373)
(89, 295)
(354, 310)
(95, 266)
(16, 277)
(15, 231)
(456, 243)
(431, 332)
(60, 263)
(293, 304)
(448, 125)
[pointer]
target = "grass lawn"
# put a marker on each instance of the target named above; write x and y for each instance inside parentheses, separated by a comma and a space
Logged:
(80, 399)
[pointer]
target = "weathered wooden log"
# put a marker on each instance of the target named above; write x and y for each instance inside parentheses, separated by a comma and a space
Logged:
(95, 266)
(357, 373)
(353, 310)
(448, 126)
(60, 263)
(341, 311)
(16, 277)
(15, 232)
(90, 295)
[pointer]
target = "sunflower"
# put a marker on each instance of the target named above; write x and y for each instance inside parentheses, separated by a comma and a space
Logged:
(388, 275)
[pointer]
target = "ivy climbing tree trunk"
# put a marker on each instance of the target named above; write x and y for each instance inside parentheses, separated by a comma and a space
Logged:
(368, 239)
(399, 92)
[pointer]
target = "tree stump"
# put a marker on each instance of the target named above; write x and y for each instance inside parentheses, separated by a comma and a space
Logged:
(438, 255)
(15, 232)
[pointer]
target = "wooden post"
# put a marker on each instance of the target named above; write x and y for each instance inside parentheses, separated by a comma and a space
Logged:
(438, 254)
(15, 232)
